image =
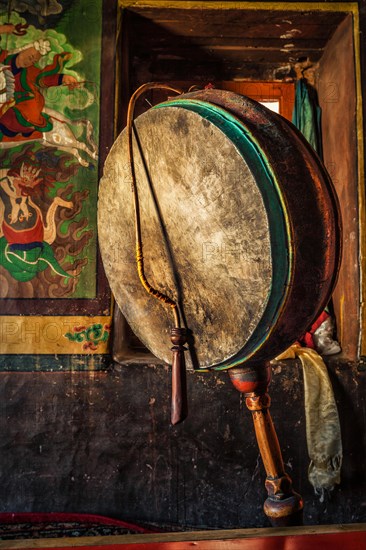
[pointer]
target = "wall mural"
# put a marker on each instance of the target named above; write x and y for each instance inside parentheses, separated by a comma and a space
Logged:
(53, 296)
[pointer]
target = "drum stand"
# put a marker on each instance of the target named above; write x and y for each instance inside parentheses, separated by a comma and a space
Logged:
(283, 506)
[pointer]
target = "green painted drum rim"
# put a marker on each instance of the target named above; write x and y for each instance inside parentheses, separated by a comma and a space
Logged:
(278, 219)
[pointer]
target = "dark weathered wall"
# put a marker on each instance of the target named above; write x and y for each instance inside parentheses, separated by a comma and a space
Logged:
(102, 443)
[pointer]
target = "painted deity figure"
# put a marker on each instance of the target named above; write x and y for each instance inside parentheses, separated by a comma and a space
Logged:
(22, 113)
(25, 237)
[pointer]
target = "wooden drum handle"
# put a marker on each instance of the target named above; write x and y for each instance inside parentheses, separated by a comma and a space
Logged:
(283, 506)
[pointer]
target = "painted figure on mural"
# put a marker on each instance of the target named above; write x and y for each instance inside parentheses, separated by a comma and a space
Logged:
(25, 236)
(22, 115)
(49, 117)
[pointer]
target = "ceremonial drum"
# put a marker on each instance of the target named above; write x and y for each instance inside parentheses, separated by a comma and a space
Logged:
(239, 223)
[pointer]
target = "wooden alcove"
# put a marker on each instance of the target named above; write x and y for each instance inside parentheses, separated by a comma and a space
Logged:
(235, 45)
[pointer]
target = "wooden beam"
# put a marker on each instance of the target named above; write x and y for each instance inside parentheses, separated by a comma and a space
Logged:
(337, 537)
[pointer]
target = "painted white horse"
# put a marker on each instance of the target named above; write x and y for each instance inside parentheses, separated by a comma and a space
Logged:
(63, 138)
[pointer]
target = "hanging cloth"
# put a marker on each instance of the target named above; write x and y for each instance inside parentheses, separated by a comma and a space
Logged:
(323, 432)
(307, 114)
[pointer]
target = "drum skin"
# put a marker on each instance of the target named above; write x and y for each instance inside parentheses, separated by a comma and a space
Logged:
(240, 226)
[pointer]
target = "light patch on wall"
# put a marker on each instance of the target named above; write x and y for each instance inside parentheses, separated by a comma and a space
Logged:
(272, 105)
